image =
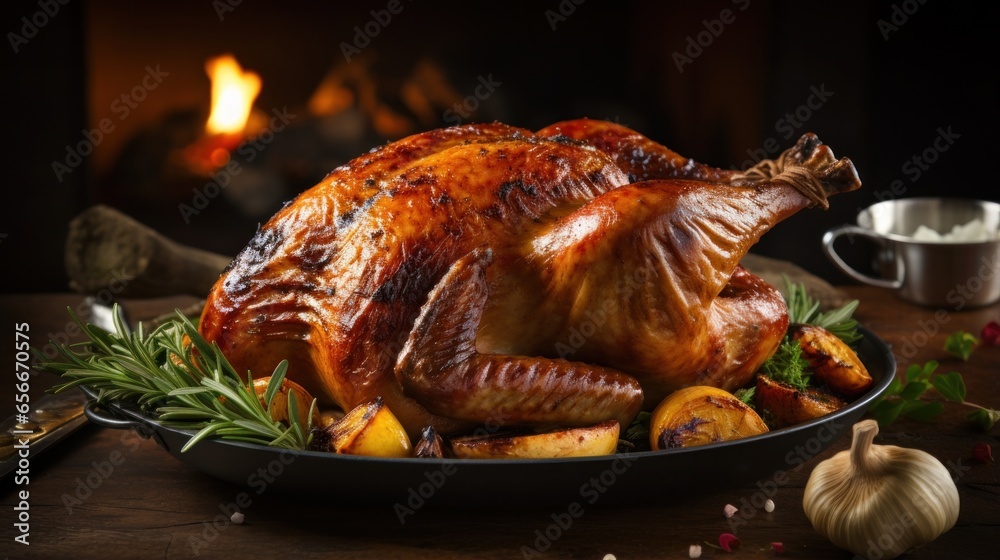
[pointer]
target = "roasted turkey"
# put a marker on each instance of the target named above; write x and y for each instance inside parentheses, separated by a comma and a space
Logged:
(488, 274)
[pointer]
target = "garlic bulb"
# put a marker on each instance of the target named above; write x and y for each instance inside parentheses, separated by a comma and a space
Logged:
(878, 501)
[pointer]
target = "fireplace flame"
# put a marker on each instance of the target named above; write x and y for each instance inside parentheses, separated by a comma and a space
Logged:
(233, 94)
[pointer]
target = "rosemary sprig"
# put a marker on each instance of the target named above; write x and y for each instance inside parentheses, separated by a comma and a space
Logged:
(197, 390)
(803, 309)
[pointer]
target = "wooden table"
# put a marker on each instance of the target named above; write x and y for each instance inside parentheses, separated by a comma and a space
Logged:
(152, 505)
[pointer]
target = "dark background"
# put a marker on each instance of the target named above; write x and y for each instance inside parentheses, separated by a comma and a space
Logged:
(892, 90)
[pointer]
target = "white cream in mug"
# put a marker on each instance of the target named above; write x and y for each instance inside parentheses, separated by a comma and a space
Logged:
(972, 232)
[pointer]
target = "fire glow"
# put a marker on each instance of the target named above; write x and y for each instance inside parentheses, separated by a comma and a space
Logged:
(233, 94)
(229, 119)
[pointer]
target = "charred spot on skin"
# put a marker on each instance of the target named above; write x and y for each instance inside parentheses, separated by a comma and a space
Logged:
(315, 257)
(252, 259)
(595, 176)
(493, 211)
(483, 151)
(506, 187)
(421, 180)
(376, 234)
(236, 285)
(566, 140)
(443, 199)
(410, 283)
(369, 182)
(261, 246)
(345, 219)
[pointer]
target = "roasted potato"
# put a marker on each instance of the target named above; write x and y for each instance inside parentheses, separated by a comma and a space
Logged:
(278, 408)
(833, 362)
(599, 439)
(699, 415)
(369, 429)
(785, 405)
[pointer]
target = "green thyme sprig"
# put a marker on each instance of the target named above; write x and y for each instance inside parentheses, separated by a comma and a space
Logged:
(198, 390)
(788, 365)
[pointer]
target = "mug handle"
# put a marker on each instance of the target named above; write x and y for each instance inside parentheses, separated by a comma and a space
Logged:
(832, 235)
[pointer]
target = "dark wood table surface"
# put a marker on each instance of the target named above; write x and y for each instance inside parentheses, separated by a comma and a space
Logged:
(153, 505)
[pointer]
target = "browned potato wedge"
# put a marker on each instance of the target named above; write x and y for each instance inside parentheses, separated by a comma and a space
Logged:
(279, 403)
(833, 361)
(599, 439)
(699, 415)
(369, 429)
(786, 405)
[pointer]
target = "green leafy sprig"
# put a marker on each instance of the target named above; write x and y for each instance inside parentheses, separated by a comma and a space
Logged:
(197, 390)
(803, 309)
(788, 365)
(960, 344)
(746, 395)
(903, 398)
(638, 431)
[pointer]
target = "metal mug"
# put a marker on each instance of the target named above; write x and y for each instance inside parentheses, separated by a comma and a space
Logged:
(942, 274)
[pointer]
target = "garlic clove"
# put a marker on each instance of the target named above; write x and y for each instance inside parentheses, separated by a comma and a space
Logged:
(878, 501)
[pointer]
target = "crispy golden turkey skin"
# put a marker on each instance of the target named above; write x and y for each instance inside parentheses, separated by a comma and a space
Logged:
(488, 274)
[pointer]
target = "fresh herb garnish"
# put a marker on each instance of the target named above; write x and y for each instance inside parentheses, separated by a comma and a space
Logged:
(788, 365)
(638, 431)
(188, 385)
(903, 398)
(960, 344)
(746, 395)
(803, 309)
